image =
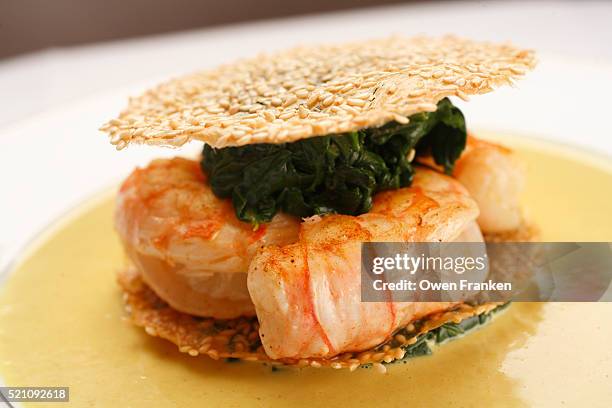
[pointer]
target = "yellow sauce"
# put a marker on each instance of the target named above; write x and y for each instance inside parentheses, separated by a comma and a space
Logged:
(61, 325)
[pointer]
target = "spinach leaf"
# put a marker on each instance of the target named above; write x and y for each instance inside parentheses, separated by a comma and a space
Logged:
(419, 348)
(450, 123)
(337, 173)
(446, 332)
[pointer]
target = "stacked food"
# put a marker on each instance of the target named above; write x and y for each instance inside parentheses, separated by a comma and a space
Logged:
(253, 252)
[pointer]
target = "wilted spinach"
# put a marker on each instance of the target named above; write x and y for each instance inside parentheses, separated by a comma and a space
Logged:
(331, 174)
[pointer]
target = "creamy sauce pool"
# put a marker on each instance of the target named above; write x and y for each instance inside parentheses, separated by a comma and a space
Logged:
(61, 325)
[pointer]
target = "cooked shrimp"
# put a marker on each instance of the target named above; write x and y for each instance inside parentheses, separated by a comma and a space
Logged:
(494, 176)
(307, 294)
(471, 233)
(186, 243)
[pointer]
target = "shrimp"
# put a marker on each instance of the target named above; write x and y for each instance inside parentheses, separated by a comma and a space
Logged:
(471, 233)
(307, 294)
(187, 243)
(494, 176)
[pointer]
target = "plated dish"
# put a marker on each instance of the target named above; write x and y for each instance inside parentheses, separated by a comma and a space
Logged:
(63, 289)
(253, 251)
(63, 322)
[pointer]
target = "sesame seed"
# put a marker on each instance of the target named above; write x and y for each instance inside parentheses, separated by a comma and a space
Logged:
(475, 82)
(380, 368)
(302, 112)
(378, 356)
(518, 70)
(400, 119)
(365, 357)
(312, 100)
(328, 101)
(410, 158)
(417, 93)
(355, 102)
(291, 99)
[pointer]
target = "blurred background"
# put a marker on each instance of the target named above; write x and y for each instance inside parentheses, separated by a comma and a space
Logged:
(28, 25)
